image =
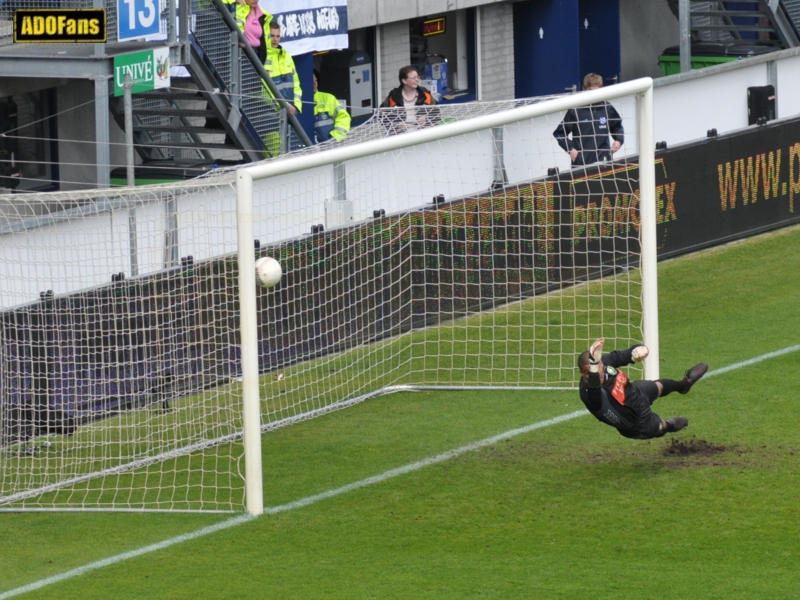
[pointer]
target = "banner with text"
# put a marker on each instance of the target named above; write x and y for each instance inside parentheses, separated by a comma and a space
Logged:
(310, 25)
(149, 70)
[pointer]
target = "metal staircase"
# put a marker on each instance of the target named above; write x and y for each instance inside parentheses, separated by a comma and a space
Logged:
(792, 10)
(196, 122)
(221, 112)
(762, 22)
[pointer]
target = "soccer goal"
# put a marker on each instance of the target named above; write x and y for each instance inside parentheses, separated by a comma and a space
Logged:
(456, 247)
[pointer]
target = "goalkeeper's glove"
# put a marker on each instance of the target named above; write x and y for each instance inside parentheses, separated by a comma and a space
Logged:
(596, 352)
(639, 353)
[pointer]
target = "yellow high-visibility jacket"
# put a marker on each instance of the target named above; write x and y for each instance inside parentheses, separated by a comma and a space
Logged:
(240, 12)
(330, 120)
(280, 66)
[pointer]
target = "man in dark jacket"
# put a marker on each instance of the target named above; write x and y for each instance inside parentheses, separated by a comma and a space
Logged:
(615, 400)
(584, 132)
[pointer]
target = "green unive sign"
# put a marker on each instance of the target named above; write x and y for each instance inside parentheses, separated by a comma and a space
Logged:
(149, 70)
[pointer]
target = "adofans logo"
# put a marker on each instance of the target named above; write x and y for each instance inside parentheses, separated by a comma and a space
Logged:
(60, 26)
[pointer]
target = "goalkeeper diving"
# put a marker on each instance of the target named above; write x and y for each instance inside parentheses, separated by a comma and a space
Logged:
(624, 404)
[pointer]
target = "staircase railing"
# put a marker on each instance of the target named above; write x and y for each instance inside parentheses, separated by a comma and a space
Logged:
(715, 21)
(209, 27)
(244, 79)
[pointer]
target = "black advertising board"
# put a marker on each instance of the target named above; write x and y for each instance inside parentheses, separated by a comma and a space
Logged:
(707, 192)
(727, 188)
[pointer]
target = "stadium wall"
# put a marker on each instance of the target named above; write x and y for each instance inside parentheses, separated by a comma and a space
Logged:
(728, 187)
(77, 357)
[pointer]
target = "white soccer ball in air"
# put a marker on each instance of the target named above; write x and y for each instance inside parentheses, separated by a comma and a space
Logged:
(268, 272)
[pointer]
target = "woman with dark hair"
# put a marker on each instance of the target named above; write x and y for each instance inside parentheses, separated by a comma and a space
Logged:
(414, 98)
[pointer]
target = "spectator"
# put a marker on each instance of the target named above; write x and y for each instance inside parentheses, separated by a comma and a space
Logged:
(590, 127)
(254, 24)
(280, 66)
(414, 98)
(330, 120)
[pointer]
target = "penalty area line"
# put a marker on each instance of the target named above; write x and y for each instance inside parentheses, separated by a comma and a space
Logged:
(238, 520)
(421, 464)
(106, 562)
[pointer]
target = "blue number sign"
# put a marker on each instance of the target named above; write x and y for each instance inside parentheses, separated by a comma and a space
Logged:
(137, 18)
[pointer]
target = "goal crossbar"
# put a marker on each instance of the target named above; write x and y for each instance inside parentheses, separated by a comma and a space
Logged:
(146, 392)
(245, 176)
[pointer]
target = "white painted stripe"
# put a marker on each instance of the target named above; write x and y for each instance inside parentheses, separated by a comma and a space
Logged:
(297, 504)
(421, 464)
(753, 361)
(106, 562)
(336, 492)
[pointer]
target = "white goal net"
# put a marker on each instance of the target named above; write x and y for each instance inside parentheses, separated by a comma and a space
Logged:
(456, 247)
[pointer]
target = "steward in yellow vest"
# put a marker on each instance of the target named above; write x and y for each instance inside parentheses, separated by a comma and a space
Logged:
(330, 120)
(280, 66)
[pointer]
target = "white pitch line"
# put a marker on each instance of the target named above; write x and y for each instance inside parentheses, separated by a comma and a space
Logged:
(752, 361)
(106, 562)
(421, 464)
(344, 489)
(126, 556)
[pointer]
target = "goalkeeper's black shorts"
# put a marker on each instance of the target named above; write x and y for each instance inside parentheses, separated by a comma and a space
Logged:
(639, 398)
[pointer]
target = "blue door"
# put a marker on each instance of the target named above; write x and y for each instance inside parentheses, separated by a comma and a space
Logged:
(546, 47)
(556, 42)
(599, 39)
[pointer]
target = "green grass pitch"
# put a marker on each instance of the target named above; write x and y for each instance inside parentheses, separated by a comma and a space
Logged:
(567, 511)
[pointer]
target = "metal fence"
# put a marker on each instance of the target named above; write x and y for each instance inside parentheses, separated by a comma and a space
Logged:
(237, 77)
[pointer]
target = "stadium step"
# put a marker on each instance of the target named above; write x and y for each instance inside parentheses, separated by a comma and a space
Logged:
(776, 22)
(178, 122)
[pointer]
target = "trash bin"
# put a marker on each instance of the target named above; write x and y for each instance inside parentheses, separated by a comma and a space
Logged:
(708, 54)
(162, 171)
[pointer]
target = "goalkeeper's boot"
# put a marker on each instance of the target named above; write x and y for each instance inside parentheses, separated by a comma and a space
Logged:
(676, 424)
(693, 374)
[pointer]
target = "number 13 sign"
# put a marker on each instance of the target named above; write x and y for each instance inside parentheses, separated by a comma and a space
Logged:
(137, 18)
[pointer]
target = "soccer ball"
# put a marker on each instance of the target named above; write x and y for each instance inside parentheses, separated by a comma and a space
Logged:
(268, 272)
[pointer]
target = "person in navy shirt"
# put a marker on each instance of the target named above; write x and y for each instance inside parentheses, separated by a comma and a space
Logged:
(586, 132)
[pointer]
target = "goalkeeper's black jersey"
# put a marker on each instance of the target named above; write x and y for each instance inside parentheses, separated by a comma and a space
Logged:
(616, 401)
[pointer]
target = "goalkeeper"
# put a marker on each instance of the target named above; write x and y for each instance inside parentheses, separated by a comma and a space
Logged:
(615, 400)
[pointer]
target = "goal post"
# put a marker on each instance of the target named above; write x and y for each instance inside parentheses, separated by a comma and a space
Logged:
(248, 320)
(647, 187)
(467, 253)
(307, 167)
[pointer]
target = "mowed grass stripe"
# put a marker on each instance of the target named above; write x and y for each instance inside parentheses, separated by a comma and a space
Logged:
(409, 468)
(127, 556)
(290, 506)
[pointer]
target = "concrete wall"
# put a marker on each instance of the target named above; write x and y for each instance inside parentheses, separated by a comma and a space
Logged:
(395, 53)
(367, 13)
(77, 150)
(496, 52)
(647, 27)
